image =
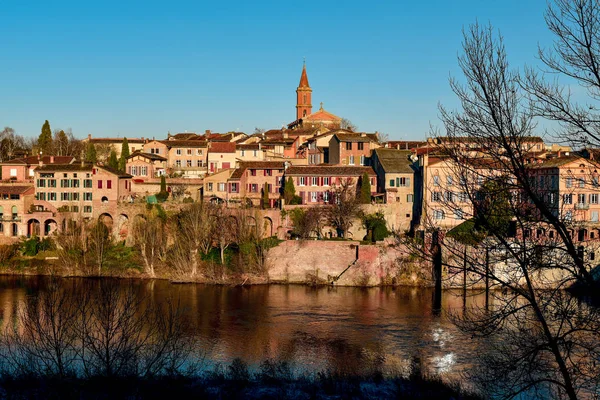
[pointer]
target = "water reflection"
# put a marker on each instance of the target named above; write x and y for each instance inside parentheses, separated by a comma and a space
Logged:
(348, 329)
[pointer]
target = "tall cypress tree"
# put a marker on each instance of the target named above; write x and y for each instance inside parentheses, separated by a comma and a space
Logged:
(124, 155)
(365, 189)
(45, 139)
(113, 162)
(289, 190)
(90, 153)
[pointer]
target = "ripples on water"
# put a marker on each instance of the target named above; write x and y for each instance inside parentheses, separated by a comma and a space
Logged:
(347, 329)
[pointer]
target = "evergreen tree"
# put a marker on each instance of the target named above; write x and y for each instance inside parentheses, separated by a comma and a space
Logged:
(365, 189)
(265, 197)
(163, 183)
(113, 162)
(124, 155)
(90, 153)
(45, 139)
(289, 191)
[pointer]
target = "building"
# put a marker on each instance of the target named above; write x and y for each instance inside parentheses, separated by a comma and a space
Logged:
(81, 191)
(352, 148)
(319, 184)
(221, 155)
(22, 169)
(146, 165)
(15, 202)
(115, 144)
(215, 186)
(251, 179)
(395, 175)
(249, 152)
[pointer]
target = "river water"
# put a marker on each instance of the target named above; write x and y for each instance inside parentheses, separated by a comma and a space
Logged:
(312, 328)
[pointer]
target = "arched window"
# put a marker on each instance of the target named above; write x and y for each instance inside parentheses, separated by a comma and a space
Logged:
(15, 229)
(304, 113)
(14, 212)
(304, 99)
(1, 212)
(1, 227)
(105, 199)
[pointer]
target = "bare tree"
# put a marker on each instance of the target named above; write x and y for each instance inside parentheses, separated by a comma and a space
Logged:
(348, 125)
(10, 143)
(345, 207)
(542, 345)
(225, 232)
(99, 243)
(150, 236)
(196, 225)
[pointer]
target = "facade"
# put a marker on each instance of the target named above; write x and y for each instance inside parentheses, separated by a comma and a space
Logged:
(395, 176)
(22, 169)
(81, 190)
(221, 155)
(248, 182)
(146, 165)
(352, 148)
(116, 144)
(319, 184)
(15, 203)
(215, 186)
(249, 152)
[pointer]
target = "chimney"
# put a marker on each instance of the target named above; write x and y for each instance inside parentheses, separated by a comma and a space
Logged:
(51, 159)
(207, 132)
(82, 158)
(285, 135)
(363, 134)
(89, 136)
(558, 154)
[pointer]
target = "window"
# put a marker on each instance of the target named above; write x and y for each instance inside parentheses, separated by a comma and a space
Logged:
(326, 197)
(438, 214)
(52, 196)
(178, 152)
(449, 180)
(462, 197)
(313, 197)
(594, 217)
(52, 183)
(409, 198)
(198, 152)
(436, 180)
(75, 208)
(144, 172)
(595, 181)
(436, 196)
(402, 182)
(351, 160)
(348, 145)
(392, 182)
(41, 183)
(87, 183)
(234, 187)
(109, 184)
(178, 163)
(362, 160)
(581, 198)
(221, 187)
(87, 196)
(568, 215)
(361, 146)
(458, 214)
(189, 152)
(99, 184)
(188, 163)
(252, 172)
(41, 196)
(198, 163)
(209, 186)
(326, 181)
(569, 182)
(302, 181)
(314, 181)
(581, 183)
(594, 198)
(87, 209)
(568, 198)
(75, 196)
(64, 183)
(75, 183)
(255, 153)
(13, 172)
(448, 195)
(268, 172)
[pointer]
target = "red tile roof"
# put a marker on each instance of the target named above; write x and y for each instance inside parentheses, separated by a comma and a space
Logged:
(16, 189)
(237, 174)
(222, 147)
(331, 170)
(304, 78)
(31, 160)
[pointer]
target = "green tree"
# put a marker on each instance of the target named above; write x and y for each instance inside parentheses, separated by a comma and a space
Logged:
(113, 162)
(45, 139)
(289, 192)
(365, 189)
(376, 226)
(265, 198)
(163, 194)
(124, 155)
(90, 153)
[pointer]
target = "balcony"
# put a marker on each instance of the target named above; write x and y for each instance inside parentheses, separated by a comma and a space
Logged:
(8, 218)
(582, 206)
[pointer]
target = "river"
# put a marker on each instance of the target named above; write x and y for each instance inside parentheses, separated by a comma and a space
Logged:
(312, 328)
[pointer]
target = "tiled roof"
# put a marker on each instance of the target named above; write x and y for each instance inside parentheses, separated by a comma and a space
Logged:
(115, 172)
(405, 144)
(556, 162)
(321, 115)
(356, 137)
(250, 146)
(183, 136)
(65, 167)
(395, 161)
(237, 174)
(149, 156)
(116, 140)
(332, 170)
(15, 189)
(183, 143)
(45, 159)
(222, 147)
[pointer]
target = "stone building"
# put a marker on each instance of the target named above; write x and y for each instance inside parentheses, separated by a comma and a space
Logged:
(248, 182)
(146, 165)
(352, 148)
(22, 169)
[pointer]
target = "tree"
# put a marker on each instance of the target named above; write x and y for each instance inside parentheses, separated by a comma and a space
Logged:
(99, 244)
(345, 207)
(538, 341)
(163, 194)
(113, 162)
(61, 143)
(44, 142)
(196, 230)
(307, 222)
(150, 237)
(103, 151)
(258, 131)
(90, 153)
(348, 125)
(376, 226)
(10, 143)
(225, 232)
(265, 203)
(365, 189)
(289, 192)
(124, 155)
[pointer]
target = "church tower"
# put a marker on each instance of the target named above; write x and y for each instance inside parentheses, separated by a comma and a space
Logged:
(303, 96)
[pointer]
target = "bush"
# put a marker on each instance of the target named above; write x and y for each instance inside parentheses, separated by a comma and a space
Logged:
(376, 227)
(295, 200)
(188, 200)
(162, 196)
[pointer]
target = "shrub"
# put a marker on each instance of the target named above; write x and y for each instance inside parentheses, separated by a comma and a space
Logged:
(188, 200)
(162, 196)
(376, 226)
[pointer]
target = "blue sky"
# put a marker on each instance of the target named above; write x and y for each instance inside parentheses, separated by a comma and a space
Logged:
(144, 68)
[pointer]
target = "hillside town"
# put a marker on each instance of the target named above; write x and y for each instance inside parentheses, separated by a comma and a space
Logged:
(413, 183)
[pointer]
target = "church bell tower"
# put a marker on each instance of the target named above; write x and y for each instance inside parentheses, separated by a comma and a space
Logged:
(303, 96)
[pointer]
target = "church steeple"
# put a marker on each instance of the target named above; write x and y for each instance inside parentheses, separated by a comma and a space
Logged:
(303, 96)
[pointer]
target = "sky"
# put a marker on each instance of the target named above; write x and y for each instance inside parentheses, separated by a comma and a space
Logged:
(145, 68)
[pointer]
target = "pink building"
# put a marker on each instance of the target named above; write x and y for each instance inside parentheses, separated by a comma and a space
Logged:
(15, 202)
(146, 165)
(22, 169)
(352, 148)
(317, 184)
(248, 182)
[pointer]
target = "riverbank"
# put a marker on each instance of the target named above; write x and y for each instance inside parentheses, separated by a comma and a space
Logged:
(273, 381)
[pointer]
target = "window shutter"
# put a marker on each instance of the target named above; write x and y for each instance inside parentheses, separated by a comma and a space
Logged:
(407, 181)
